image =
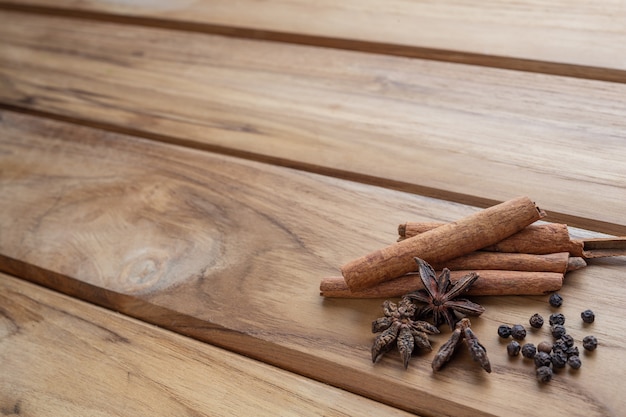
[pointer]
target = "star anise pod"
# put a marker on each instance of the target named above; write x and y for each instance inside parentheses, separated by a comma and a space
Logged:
(440, 296)
(465, 333)
(399, 328)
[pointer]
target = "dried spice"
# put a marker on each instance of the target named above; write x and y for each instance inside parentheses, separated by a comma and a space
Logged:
(556, 318)
(544, 374)
(504, 331)
(462, 332)
(450, 241)
(518, 332)
(529, 350)
(558, 331)
(558, 358)
(544, 346)
(513, 348)
(536, 321)
(590, 343)
(440, 296)
(574, 362)
(555, 300)
(588, 316)
(542, 359)
(398, 328)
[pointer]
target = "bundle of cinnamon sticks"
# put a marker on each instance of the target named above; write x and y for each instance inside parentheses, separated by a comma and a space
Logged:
(511, 255)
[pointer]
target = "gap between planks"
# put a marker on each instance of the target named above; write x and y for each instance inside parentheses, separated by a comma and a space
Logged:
(383, 48)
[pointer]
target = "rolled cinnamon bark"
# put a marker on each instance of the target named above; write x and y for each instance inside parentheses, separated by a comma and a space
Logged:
(443, 243)
(552, 262)
(534, 239)
(490, 282)
(602, 247)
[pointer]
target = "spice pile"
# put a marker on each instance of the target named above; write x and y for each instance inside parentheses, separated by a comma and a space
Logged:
(403, 326)
(549, 356)
(496, 251)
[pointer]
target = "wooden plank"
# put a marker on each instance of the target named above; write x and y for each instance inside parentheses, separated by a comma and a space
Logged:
(50, 344)
(231, 252)
(455, 132)
(579, 39)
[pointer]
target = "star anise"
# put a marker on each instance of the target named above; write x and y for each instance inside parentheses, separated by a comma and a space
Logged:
(399, 328)
(465, 333)
(440, 296)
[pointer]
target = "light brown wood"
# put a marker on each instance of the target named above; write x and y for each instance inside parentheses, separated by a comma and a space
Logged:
(231, 251)
(581, 39)
(63, 357)
(460, 133)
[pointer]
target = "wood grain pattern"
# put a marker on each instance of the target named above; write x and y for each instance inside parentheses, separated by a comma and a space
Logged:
(580, 39)
(140, 210)
(51, 344)
(461, 133)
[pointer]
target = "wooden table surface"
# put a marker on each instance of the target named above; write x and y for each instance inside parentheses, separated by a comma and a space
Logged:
(177, 177)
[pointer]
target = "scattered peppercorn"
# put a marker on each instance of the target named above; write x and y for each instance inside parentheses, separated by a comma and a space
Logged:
(555, 300)
(572, 351)
(513, 348)
(574, 362)
(542, 359)
(558, 331)
(590, 343)
(588, 316)
(559, 344)
(536, 321)
(529, 350)
(556, 318)
(559, 359)
(544, 346)
(518, 332)
(544, 374)
(504, 331)
(567, 340)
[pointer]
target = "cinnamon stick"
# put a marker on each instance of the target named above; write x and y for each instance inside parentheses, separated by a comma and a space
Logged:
(534, 239)
(602, 247)
(490, 282)
(553, 262)
(443, 243)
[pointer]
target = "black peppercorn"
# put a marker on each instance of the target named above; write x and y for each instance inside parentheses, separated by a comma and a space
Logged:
(542, 359)
(536, 321)
(518, 332)
(513, 348)
(590, 343)
(529, 350)
(559, 344)
(555, 300)
(572, 351)
(588, 316)
(558, 331)
(504, 331)
(568, 340)
(556, 318)
(544, 346)
(559, 359)
(544, 374)
(574, 362)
